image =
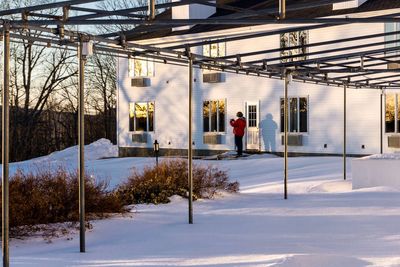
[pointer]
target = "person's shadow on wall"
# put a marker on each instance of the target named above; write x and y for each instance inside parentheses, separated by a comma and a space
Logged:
(268, 129)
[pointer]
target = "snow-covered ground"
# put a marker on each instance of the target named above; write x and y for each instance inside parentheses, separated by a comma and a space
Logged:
(323, 223)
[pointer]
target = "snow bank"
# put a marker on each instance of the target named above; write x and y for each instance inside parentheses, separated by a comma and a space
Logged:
(376, 170)
(102, 148)
(394, 156)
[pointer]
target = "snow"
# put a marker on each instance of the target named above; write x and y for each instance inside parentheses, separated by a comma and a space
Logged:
(322, 223)
(376, 170)
(394, 156)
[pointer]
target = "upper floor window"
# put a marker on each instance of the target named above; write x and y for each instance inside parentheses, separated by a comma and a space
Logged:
(141, 68)
(214, 116)
(297, 113)
(392, 27)
(214, 50)
(141, 116)
(291, 39)
(392, 113)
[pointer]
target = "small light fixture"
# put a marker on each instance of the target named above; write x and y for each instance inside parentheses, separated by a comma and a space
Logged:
(156, 148)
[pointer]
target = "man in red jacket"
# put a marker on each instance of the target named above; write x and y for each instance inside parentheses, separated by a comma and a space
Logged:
(238, 130)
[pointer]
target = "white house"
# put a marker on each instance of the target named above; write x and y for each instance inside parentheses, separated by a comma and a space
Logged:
(153, 97)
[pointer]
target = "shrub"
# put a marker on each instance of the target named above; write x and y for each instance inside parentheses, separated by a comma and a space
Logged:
(52, 196)
(156, 185)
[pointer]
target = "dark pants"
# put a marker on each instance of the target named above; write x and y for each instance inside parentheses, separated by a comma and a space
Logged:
(239, 144)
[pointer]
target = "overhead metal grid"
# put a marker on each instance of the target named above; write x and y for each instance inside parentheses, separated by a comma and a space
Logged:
(348, 65)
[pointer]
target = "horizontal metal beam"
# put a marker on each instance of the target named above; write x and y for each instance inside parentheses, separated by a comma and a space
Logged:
(103, 13)
(210, 21)
(330, 42)
(45, 6)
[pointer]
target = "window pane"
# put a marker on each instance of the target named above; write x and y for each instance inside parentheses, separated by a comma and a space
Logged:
(284, 40)
(213, 116)
(138, 67)
(390, 27)
(221, 113)
(151, 116)
(206, 50)
(303, 114)
(150, 69)
(214, 50)
(293, 115)
(252, 116)
(206, 116)
(390, 113)
(221, 49)
(398, 114)
(131, 67)
(282, 115)
(303, 40)
(131, 117)
(141, 116)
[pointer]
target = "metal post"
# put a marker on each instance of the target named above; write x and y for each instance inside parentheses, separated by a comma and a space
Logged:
(344, 129)
(190, 149)
(381, 132)
(286, 126)
(282, 9)
(81, 141)
(5, 145)
(152, 9)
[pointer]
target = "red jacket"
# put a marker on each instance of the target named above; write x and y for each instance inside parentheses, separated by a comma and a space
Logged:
(238, 126)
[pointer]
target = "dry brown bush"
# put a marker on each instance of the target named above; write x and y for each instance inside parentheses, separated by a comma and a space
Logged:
(156, 185)
(46, 197)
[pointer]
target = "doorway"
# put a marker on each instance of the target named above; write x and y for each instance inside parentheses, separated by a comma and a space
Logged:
(252, 122)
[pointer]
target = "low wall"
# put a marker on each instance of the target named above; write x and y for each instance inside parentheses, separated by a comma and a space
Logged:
(372, 172)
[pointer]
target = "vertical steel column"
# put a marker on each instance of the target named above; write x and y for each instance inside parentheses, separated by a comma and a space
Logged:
(190, 148)
(344, 129)
(152, 9)
(282, 9)
(286, 126)
(381, 132)
(5, 145)
(81, 141)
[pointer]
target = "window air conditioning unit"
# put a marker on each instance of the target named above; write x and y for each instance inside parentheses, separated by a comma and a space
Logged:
(139, 138)
(394, 141)
(293, 140)
(140, 82)
(215, 77)
(393, 66)
(212, 139)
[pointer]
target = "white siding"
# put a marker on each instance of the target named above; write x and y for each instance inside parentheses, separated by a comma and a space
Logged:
(169, 91)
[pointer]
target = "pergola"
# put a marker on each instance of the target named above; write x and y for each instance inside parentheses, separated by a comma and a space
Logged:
(347, 68)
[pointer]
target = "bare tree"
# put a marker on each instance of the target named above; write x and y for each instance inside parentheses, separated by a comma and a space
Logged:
(102, 84)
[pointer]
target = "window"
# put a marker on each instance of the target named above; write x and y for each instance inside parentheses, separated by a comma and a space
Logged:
(214, 116)
(291, 39)
(214, 50)
(141, 116)
(298, 114)
(141, 68)
(392, 113)
(392, 27)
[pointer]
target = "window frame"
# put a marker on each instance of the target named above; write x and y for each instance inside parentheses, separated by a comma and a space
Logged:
(396, 113)
(147, 117)
(291, 52)
(281, 128)
(132, 64)
(218, 117)
(218, 49)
